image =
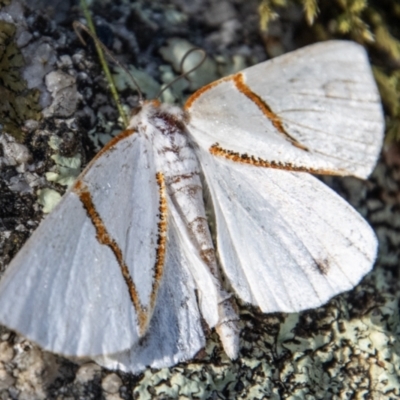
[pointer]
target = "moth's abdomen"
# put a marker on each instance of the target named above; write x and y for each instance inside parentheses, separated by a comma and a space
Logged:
(180, 167)
(175, 158)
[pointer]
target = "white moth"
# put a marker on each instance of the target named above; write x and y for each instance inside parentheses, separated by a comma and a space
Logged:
(124, 270)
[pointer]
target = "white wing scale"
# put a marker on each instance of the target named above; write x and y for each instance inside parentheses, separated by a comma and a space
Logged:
(82, 306)
(304, 244)
(175, 332)
(322, 96)
(79, 302)
(318, 110)
(59, 302)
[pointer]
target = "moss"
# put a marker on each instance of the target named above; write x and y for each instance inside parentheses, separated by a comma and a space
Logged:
(20, 103)
(267, 13)
(389, 88)
(4, 3)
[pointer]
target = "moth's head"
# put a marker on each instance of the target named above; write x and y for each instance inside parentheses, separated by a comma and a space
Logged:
(142, 111)
(145, 105)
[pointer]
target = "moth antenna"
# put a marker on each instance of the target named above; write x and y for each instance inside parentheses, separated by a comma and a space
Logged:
(79, 26)
(185, 74)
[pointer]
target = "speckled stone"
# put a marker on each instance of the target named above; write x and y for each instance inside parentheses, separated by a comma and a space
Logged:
(111, 383)
(6, 352)
(87, 372)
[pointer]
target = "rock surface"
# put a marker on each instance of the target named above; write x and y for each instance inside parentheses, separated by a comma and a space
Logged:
(348, 348)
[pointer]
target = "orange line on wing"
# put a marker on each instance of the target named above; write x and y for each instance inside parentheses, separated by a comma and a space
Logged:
(124, 134)
(238, 80)
(216, 150)
(109, 146)
(161, 240)
(198, 93)
(104, 238)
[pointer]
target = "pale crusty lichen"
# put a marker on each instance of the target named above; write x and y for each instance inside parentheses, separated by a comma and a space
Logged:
(48, 199)
(325, 353)
(67, 168)
(64, 172)
(148, 85)
(204, 72)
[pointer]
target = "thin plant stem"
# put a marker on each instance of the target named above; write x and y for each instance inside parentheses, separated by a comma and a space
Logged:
(104, 64)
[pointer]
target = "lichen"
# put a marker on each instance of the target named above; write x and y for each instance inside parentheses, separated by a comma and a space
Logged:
(148, 85)
(341, 356)
(66, 169)
(48, 199)
(205, 71)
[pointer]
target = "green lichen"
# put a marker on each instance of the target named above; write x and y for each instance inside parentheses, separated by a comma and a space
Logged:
(67, 169)
(340, 357)
(19, 104)
(48, 199)
(64, 173)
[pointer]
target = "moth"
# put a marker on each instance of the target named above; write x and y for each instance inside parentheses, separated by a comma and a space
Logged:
(125, 270)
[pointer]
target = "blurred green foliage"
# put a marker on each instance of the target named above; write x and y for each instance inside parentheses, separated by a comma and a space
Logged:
(4, 3)
(375, 24)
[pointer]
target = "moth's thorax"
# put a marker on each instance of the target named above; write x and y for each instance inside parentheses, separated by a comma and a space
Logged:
(165, 126)
(165, 117)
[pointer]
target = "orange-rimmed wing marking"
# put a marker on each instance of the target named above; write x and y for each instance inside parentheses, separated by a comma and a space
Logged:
(104, 238)
(238, 79)
(299, 112)
(196, 95)
(109, 147)
(162, 239)
(239, 82)
(300, 254)
(101, 251)
(216, 150)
